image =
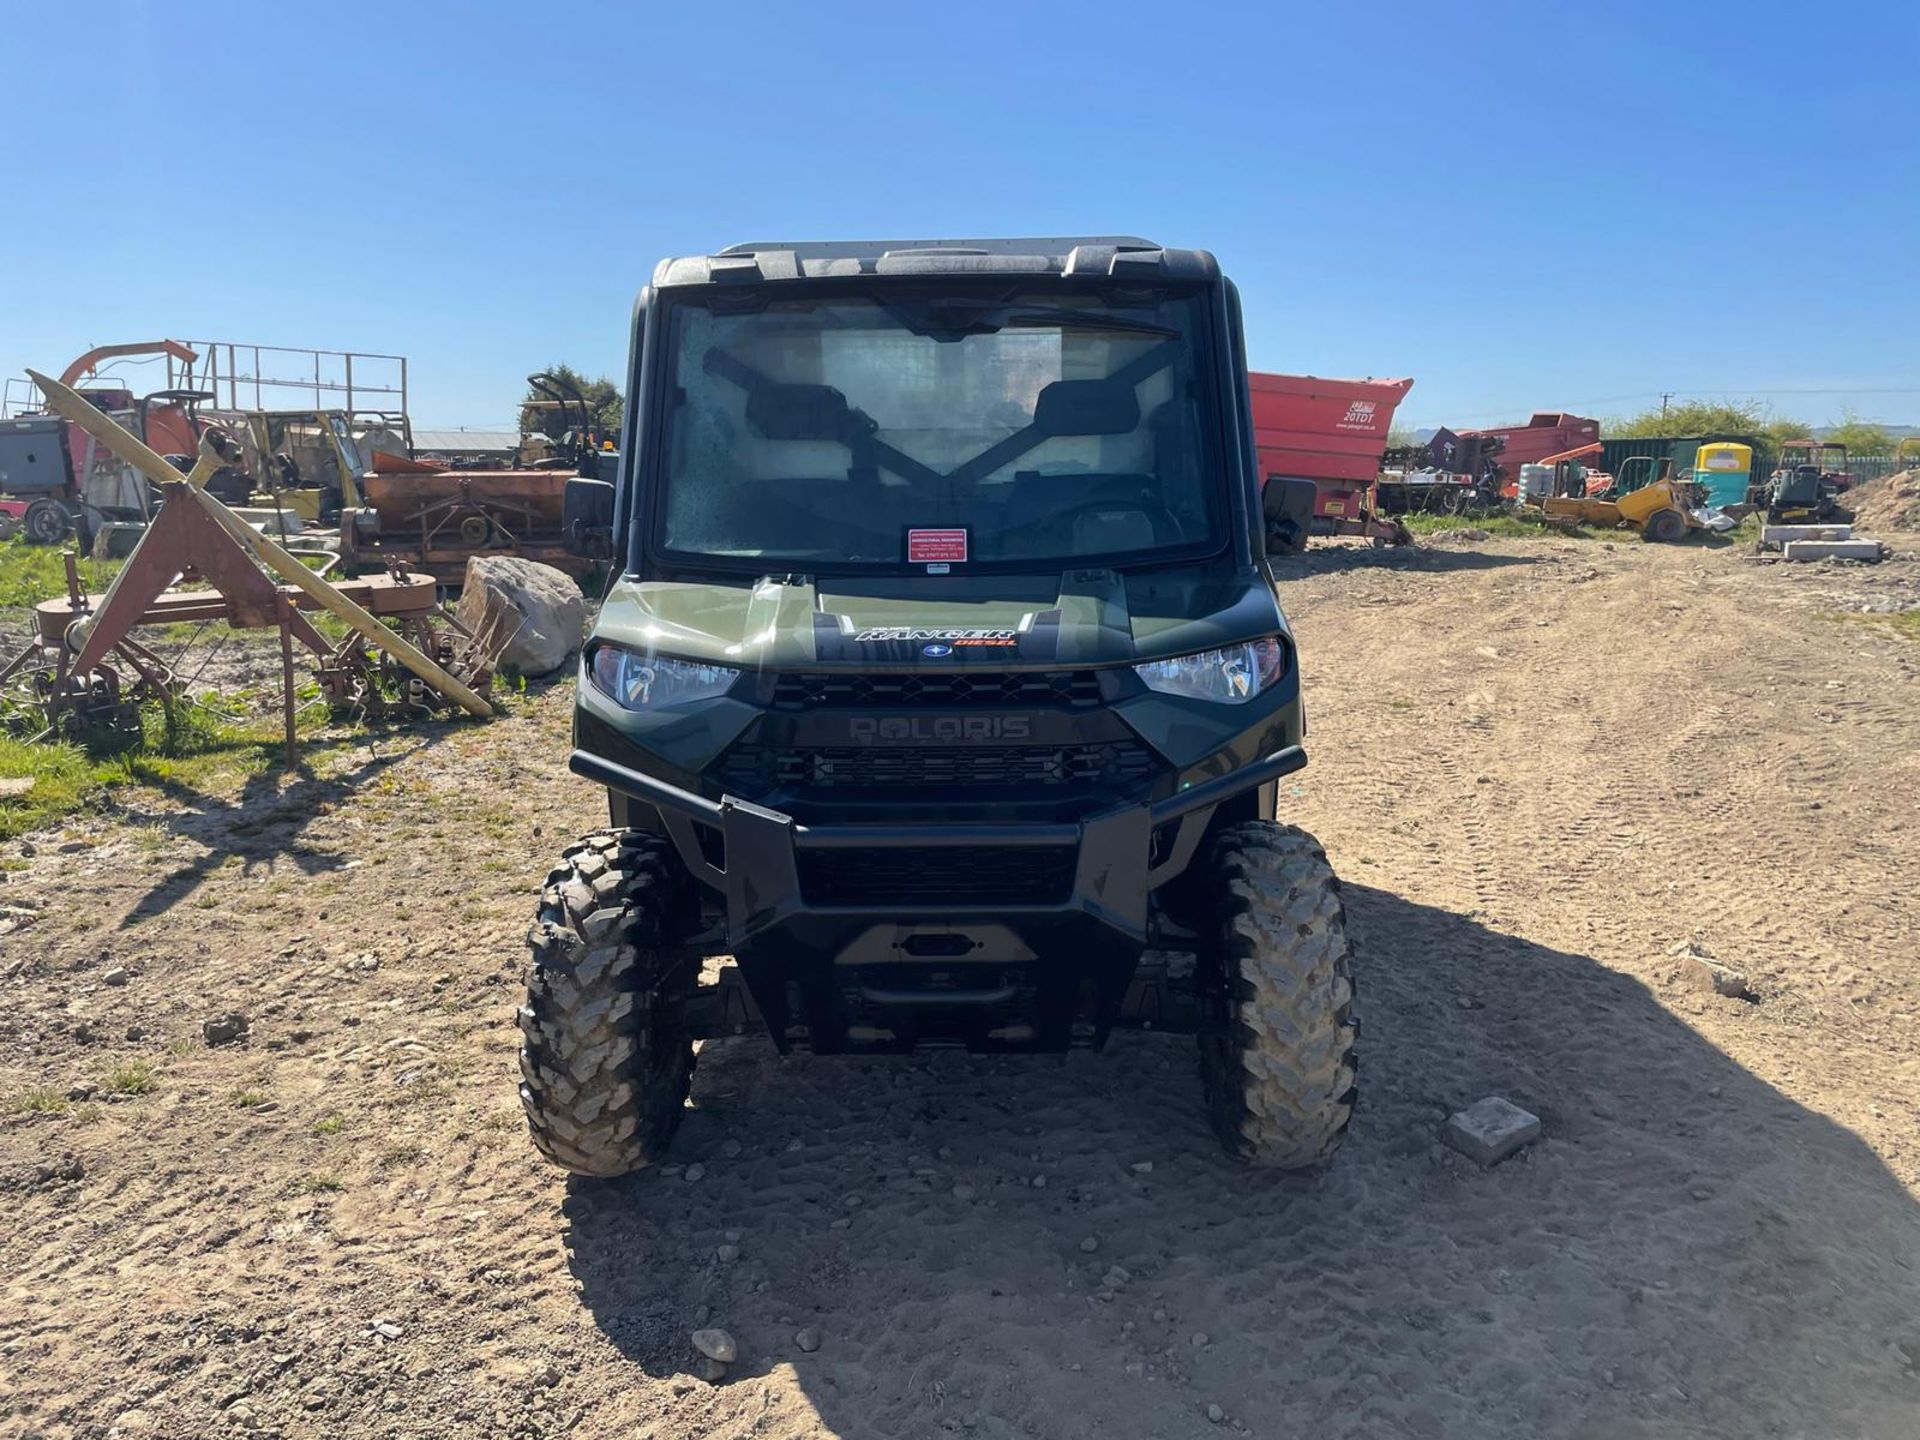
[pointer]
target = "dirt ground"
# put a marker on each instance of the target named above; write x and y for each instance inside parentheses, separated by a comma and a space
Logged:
(1544, 768)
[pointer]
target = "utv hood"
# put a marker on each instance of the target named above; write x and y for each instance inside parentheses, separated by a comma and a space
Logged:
(1080, 617)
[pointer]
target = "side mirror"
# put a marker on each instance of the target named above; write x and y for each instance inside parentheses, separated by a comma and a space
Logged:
(1287, 505)
(586, 522)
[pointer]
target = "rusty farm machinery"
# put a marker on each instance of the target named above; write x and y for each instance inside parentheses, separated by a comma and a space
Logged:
(83, 671)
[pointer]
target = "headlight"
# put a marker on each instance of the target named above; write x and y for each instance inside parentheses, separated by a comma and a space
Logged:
(1231, 676)
(647, 682)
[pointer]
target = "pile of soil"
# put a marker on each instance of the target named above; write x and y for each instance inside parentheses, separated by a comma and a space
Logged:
(1889, 503)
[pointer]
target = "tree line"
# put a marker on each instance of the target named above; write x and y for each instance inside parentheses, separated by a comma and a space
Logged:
(1700, 417)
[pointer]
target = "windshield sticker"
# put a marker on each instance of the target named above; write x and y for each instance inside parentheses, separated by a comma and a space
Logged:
(936, 547)
(932, 639)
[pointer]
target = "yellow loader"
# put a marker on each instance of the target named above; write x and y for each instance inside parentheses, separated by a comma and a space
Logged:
(1661, 509)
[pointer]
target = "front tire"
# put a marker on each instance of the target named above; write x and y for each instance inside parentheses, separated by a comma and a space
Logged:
(1277, 1062)
(605, 1061)
(1665, 527)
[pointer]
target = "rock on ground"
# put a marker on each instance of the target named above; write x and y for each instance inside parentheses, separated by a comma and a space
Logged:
(716, 1344)
(221, 1029)
(551, 613)
(1702, 972)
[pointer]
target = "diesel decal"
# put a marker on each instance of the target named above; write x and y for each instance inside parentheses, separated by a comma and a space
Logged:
(939, 729)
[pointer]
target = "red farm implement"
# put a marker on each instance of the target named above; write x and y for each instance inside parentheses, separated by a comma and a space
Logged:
(1546, 435)
(1332, 432)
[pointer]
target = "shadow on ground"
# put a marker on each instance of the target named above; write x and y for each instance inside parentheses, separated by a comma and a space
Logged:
(1686, 1252)
(263, 823)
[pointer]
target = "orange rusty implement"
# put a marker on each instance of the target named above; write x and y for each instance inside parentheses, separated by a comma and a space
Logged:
(437, 519)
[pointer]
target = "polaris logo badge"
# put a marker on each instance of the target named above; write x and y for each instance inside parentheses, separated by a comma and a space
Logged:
(936, 652)
(938, 729)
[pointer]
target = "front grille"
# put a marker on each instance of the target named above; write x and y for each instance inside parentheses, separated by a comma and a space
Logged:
(938, 875)
(1025, 687)
(754, 770)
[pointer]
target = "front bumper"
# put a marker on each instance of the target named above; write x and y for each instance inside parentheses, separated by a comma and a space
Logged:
(895, 974)
(1123, 854)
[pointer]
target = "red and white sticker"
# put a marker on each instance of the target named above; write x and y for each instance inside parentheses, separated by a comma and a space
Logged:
(936, 547)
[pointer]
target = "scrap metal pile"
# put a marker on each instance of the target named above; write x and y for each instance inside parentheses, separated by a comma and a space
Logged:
(83, 670)
(306, 449)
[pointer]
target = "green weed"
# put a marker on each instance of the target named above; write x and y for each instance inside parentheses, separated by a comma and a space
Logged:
(135, 1077)
(40, 1100)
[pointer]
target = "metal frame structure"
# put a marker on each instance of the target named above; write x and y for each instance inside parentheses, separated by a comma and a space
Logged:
(237, 373)
(241, 368)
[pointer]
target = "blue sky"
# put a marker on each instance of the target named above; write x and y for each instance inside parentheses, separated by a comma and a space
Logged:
(1521, 206)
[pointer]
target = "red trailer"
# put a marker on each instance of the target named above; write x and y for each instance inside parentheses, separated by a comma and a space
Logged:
(1549, 432)
(1332, 432)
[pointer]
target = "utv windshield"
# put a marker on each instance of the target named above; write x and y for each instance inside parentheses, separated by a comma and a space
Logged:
(1045, 429)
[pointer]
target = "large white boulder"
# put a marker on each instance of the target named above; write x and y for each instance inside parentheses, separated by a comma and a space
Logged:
(544, 603)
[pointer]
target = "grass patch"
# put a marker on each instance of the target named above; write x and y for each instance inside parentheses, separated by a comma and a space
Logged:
(321, 1182)
(328, 1125)
(133, 1078)
(1904, 623)
(1517, 526)
(32, 573)
(249, 1099)
(40, 1100)
(213, 740)
(186, 746)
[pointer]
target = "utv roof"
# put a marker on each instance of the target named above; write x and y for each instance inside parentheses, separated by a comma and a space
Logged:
(1120, 257)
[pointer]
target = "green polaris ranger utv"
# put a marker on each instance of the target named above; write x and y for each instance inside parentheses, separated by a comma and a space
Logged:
(942, 687)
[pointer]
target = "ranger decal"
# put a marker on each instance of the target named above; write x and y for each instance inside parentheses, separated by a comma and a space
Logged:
(895, 634)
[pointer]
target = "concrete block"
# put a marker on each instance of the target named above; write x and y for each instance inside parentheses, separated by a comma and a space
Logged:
(1832, 550)
(1490, 1130)
(1778, 535)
